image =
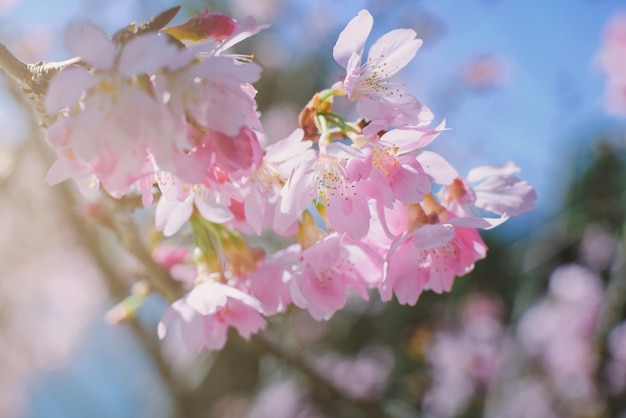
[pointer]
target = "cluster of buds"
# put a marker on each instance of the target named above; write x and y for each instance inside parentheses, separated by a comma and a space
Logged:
(171, 113)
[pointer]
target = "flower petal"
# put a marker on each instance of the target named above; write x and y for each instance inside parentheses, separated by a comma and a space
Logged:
(91, 44)
(353, 37)
(66, 88)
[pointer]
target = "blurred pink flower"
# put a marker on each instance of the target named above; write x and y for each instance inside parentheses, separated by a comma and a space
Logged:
(364, 376)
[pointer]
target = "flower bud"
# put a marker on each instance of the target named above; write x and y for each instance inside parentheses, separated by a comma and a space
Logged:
(216, 26)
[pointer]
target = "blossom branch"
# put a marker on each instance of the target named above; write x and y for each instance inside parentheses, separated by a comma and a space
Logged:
(33, 78)
(117, 287)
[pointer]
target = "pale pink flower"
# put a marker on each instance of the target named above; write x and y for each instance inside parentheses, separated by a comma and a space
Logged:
(67, 165)
(262, 191)
(327, 178)
(370, 84)
(117, 154)
(215, 93)
(271, 282)
(496, 190)
(365, 376)
(560, 331)
(283, 399)
(465, 360)
(432, 254)
(208, 311)
(179, 199)
(393, 170)
(329, 269)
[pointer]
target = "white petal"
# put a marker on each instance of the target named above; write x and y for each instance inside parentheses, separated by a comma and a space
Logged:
(91, 44)
(353, 37)
(479, 173)
(66, 88)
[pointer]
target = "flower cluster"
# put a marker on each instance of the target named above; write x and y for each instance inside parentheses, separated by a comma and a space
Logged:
(172, 114)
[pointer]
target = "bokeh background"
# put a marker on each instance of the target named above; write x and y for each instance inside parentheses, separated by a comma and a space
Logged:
(535, 331)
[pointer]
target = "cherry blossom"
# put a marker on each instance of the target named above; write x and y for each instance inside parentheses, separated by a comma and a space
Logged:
(369, 83)
(208, 311)
(329, 270)
(172, 116)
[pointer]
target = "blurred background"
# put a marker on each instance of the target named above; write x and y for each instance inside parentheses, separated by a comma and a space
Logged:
(536, 330)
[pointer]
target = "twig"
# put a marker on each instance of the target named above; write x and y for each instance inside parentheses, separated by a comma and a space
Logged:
(126, 231)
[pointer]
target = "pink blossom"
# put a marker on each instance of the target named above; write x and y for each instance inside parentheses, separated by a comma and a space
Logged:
(208, 311)
(271, 282)
(497, 191)
(396, 173)
(379, 99)
(179, 199)
(329, 269)
(433, 250)
(465, 360)
(326, 178)
(262, 194)
(118, 155)
(560, 330)
(364, 376)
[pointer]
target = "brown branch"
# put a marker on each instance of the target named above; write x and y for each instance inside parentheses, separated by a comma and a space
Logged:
(126, 231)
(13, 66)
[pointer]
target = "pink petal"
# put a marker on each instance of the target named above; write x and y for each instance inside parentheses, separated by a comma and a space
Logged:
(66, 88)
(244, 30)
(296, 193)
(481, 223)
(395, 48)
(437, 167)
(207, 298)
(429, 236)
(210, 209)
(410, 185)
(350, 215)
(353, 37)
(244, 318)
(215, 333)
(91, 44)
(505, 194)
(324, 295)
(171, 215)
(477, 174)
(146, 54)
